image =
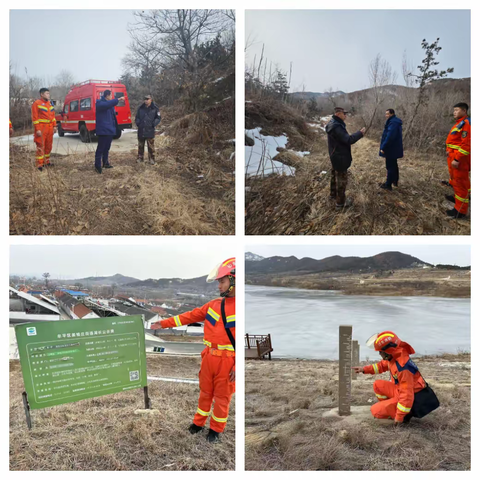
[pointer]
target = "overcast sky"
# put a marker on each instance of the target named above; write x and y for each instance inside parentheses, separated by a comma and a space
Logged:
(142, 261)
(88, 43)
(447, 254)
(333, 48)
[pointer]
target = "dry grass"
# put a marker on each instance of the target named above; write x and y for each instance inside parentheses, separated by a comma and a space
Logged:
(404, 282)
(300, 204)
(104, 434)
(191, 190)
(285, 429)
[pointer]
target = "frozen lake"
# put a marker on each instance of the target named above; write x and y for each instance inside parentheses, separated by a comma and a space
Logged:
(304, 323)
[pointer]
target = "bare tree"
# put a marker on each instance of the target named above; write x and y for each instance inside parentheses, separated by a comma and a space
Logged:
(46, 276)
(381, 76)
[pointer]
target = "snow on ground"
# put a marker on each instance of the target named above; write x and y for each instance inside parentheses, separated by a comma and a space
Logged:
(259, 157)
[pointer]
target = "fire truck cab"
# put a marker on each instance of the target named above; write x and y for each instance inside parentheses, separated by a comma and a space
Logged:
(78, 114)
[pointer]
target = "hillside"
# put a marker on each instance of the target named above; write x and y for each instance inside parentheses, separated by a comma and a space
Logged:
(118, 278)
(195, 156)
(293, 265)
(296, 200)
(169, 282)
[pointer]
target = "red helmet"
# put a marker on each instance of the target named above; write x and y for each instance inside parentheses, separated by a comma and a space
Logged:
(224, 269)
(384, 342)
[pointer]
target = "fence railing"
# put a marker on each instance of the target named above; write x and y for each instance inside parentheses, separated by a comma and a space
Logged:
(262, 344)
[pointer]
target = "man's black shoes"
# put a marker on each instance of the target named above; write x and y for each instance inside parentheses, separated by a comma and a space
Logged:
(108, 166)
(98, 170)
(385, 186)
(194, 429)
(450, 198)
(213, 436)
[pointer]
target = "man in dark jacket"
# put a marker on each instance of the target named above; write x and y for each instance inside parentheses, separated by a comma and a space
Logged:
(147, 118)
(105, 128)
(340, 151)
(391, 147)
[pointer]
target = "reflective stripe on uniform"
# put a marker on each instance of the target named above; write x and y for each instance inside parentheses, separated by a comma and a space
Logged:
(201, 412)
(220, 420)
(226, 347)
(41, 107)
(177, 321)
(375, 368)
(402, 408)
(381, 396)
(464, 200)
(213, 313)
(456, 147)
(39, 158)
(42, 120)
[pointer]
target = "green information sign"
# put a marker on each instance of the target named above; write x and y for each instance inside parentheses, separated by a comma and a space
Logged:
(70, 360)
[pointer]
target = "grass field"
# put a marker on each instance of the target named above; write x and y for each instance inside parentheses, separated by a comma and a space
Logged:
(190, 191)
(285, 428)
(301, 204)
(104, 433)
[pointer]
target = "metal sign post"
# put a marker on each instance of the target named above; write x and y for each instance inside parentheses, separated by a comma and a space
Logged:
(27, 410)
(345, 370)
(148, 402)
(355, 358)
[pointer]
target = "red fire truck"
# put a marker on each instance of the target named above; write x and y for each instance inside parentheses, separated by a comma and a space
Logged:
(78, 114)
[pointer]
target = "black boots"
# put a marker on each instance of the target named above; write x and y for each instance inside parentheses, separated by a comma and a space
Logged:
(386, 186)
(98, 170)
(450, 198)
(453, 213)
(213, 436)
(194, 429)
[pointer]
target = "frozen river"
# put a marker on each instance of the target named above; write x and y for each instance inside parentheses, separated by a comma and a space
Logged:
(304, 323)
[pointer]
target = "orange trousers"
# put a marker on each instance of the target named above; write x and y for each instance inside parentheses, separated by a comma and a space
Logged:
(460, 181)
(387, 394)
(216, 388)
(43, 143)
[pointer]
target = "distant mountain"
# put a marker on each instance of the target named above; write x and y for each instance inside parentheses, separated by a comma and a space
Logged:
(293, 265)
(253, 257)
(118, 278)
(308, 95)
(199, 282)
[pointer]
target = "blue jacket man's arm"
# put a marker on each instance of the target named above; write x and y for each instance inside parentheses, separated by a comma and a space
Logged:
(106, 104)
(137, 116)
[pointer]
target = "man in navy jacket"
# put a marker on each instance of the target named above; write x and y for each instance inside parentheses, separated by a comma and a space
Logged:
(105, 128)
(391, 147)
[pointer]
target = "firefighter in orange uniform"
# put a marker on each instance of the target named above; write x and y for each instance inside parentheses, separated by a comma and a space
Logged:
(217, 370)
(44, 126)
(458, 157)
(10, 127)
(397, 395)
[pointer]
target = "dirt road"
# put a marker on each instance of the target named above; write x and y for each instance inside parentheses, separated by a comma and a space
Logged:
(71, 144)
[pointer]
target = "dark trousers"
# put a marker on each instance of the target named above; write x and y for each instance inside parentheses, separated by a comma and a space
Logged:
(393, 174)
(103, 147)
(338, 185)
(150, 145)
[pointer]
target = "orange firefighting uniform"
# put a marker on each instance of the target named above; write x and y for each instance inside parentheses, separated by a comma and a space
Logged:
(218, 359)
(395, 396)
(458, 148)
(43, 119)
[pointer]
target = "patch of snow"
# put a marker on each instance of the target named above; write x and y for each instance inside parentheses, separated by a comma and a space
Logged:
(228, 98)
(259, 157)
(232, 155)
(248, 101)
(231, 141)
(218, 80)
(299, 154)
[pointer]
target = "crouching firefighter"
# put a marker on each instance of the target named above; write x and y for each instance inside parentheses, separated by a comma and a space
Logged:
(406, 394)
(217, 370)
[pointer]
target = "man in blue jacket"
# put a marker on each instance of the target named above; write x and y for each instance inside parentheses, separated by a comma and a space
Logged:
(105, 128)
(391, 148)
